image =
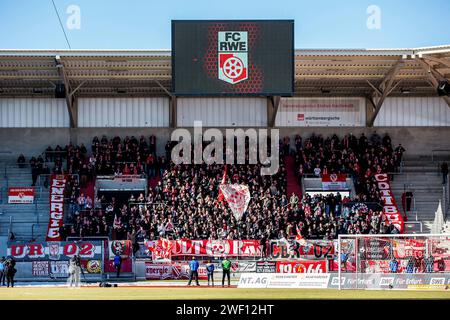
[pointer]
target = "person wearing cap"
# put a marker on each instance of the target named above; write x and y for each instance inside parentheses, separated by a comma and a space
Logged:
(193, 265)
(2, 272)
(226, 266)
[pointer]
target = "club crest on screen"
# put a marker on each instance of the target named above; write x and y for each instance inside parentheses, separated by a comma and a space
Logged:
(233, 56)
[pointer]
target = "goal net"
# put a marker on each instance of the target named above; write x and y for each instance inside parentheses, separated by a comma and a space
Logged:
(394, 261)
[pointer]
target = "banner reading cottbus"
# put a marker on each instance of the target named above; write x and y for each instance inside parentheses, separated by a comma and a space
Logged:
(233, 57)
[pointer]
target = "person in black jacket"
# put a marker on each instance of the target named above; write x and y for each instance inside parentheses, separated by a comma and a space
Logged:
(10, 272)
(444, 170)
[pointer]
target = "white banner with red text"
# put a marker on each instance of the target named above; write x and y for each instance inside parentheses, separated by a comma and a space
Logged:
(20, 195)
(390, 208)
(57, 188)
(334, 182)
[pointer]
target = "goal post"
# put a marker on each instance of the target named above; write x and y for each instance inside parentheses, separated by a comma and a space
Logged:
(400, 261)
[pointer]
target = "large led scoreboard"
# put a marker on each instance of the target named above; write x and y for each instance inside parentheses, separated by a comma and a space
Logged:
(233, 57)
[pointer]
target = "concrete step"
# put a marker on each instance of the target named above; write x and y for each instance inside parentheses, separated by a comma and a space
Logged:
(419, 178)
(418, 162)
(417, 188)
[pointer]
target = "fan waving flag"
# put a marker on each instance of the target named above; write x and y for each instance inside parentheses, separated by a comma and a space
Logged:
(237, 197)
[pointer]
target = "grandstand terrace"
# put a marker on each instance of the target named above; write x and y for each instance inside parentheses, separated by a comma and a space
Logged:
(128, 93)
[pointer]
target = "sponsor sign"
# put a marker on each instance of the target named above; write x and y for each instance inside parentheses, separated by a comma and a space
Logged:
(304, 266)
(57, 188)
(42, 251)
(387, 281)
(427, 287)
(266, 266)
(334, 181)
(322, 112)
(390, 208)
(253, 280)
(174, 271)
(311, 250)
(20, 195)
(244, 266)
(313, 280)
(158, 271)
(288, 281)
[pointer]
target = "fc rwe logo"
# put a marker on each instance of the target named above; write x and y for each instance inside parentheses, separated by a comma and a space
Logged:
(233, 56)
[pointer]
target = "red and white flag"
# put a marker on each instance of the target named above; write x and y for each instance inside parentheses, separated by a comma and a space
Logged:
(221, 196)
(162, 249)
(299, 237)
(238, 198)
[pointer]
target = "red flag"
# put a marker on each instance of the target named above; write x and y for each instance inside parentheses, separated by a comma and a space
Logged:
(162, 249)
(221, 196)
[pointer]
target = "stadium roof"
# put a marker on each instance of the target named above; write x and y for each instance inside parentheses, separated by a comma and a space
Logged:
(318, 72)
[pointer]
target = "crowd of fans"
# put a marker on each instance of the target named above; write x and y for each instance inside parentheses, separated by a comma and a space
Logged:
(361, 158)
(184, 203)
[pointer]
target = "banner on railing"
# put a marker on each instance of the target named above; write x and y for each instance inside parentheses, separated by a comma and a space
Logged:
(119, 247)
(390, 207)
(54, 250)
(174, 271)
(291, 249)
(302, 266)
(213, 248)
(180, 270)
(334, 182)
(20, 195)
(60, 269)
(57, 188)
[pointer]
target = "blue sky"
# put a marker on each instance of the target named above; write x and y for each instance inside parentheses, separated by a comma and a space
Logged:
(140, 24)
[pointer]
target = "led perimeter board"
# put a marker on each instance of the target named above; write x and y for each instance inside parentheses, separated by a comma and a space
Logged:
(233, 57)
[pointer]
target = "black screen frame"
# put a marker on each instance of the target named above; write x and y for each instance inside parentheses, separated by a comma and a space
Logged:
(229, 94)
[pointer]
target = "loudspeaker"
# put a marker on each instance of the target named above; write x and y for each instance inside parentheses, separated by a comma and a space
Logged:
(60, 90)
(443, 88)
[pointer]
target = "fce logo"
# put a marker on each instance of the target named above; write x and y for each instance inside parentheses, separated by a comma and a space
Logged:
(232, 55)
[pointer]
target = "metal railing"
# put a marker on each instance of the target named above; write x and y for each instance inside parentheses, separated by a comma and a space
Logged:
(446, 198)
(10, 225)
(32, 231)
(434, 151)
